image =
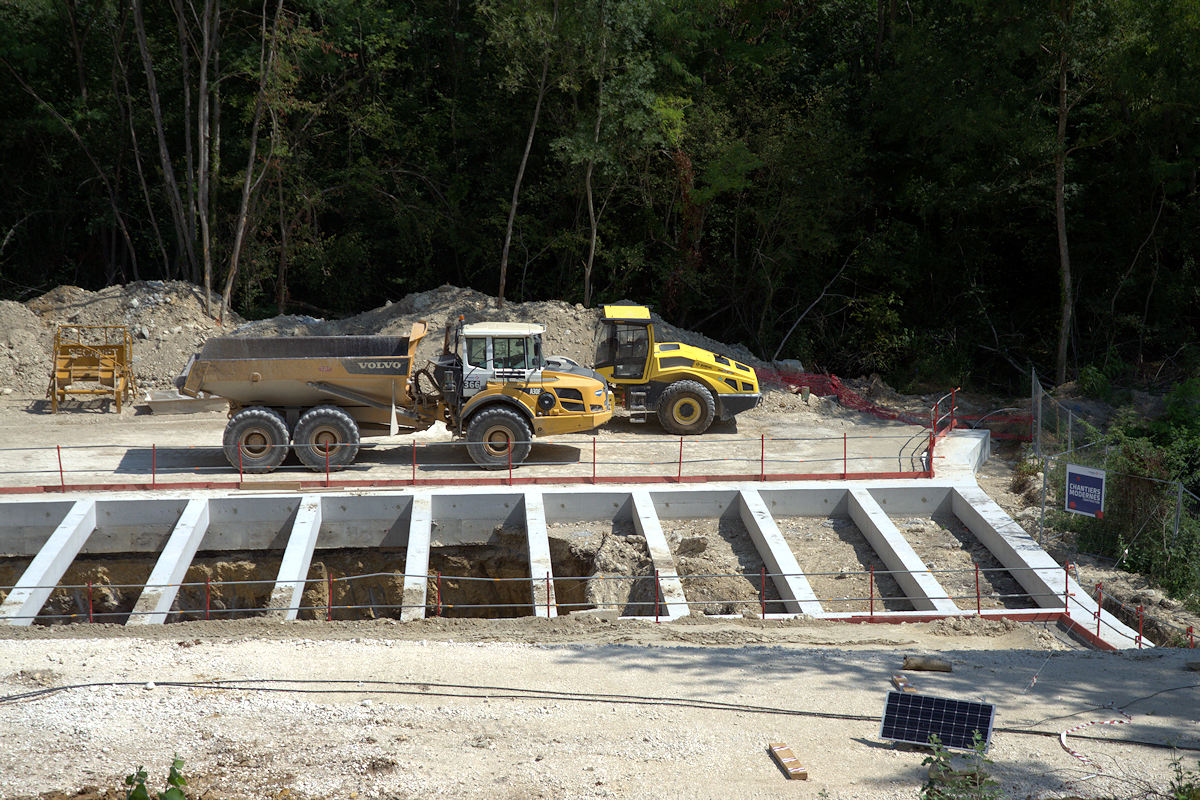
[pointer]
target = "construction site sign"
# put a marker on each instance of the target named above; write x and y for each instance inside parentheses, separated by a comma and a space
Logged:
(1085, 491)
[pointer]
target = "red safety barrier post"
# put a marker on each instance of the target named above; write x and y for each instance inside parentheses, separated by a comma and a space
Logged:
(978, 599)
(207, 596)
(438, 612)
(327, 465)
(62, 481)
(153, 466)
(241, 475)
(871, 592)
(547, 595)
(1099, 606)
(762, 458)
(1066, 589)
(90, 617)
(593, 460)
(845, 460)
(414, 462)
(952, 405)
(679, 475)
(1191, 638)
(657, 595)
(763, 592)
(509, 454)
(329, 599)
(1139, 638)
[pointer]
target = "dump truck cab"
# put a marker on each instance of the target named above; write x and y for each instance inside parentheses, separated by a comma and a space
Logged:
(500, 391)
(687, 387)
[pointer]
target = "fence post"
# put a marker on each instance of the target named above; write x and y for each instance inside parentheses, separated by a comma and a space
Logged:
(1042, 521)
(1036, 408)
(414, 463)
(845, 459)
(547, 595)
(679, 475)
(241, 474)
(509, 455)
(1191, 638)
(90, 616)
(657, 593)
(207, 596)
(62, 481)
(1178, 509)
(1139, 636)
(762, 460)
(153, 466)
(1066, 588)
(327, 465)
(1099, 606)
(952, 406)
(593, 460)
(871, 592)
(1070, 438)
(763, 592)
(978, 599)
(329, 598)
(438, 611)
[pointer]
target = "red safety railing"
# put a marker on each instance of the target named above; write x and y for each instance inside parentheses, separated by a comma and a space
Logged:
(644, 598)
(650, 459)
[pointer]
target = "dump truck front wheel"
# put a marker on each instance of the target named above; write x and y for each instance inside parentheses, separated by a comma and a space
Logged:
(686, 407)
(326, 435)
(256, 440)
(497, 437)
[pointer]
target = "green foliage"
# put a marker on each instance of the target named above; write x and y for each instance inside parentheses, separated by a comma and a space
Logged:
(1094, 383)
(885, 175)
(175, 783)
(972, 782)
(1185, 784)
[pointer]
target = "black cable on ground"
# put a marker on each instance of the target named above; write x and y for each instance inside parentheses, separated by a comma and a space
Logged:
(468, 691)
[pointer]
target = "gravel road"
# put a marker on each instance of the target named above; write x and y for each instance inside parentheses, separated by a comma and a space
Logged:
(594, 709)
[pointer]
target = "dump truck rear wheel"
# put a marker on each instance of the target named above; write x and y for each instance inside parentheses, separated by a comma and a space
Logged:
(326, 428)
(685, 408)
(497, 437)
(256, 440)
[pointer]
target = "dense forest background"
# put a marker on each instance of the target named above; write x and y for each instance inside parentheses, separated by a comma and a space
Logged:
(939, 191)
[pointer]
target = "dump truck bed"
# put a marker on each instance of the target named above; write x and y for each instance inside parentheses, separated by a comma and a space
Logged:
(304, 371)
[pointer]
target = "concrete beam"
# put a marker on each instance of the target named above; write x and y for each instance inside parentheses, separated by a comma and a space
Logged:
(541, 569)
(162, 587)
(416, 560)
(39, 579)
(645, 519)
(893, 549)
(793, 587)
(297, 558)
(1040, 575)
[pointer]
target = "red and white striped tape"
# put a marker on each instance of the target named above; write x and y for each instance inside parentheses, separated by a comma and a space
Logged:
(1062, 737)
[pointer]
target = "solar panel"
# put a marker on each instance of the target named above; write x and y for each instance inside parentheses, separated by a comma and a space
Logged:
(913, 717)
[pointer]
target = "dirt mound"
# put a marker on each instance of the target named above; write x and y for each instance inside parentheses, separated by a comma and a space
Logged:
(166, 319)
(169, 324)
(24, 350)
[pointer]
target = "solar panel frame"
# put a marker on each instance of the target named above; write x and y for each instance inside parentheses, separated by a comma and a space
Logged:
(912, 718)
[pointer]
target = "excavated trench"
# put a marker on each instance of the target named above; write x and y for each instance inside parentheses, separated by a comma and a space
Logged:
(604, 565)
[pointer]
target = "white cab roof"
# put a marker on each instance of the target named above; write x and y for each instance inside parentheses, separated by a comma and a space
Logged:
(502, 329)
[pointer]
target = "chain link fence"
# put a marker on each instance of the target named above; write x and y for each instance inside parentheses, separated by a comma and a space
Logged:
(1148, 525)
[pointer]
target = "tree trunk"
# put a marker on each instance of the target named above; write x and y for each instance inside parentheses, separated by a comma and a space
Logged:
(512, 209)
(593, 218)
(266, 63)
(173, 197)
(1067, 302)
(208, 35)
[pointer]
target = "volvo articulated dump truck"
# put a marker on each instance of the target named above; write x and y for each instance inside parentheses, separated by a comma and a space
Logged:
(318, 395)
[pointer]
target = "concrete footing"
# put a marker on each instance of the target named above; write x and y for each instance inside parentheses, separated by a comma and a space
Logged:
(55, 532)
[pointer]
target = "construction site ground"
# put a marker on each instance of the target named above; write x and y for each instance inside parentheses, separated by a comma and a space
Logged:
(527, 707)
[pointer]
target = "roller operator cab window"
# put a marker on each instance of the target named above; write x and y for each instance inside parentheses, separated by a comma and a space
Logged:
(626, 348)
